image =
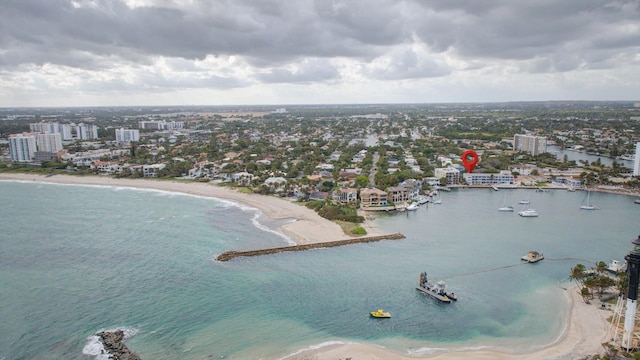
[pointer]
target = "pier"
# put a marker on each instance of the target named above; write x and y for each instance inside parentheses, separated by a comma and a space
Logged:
(228, 255)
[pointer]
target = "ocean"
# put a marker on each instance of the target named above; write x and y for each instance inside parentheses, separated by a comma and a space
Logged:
(76, 260)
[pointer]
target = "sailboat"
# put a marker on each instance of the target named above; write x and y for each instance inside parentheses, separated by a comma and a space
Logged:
(588, 205)
(505, 207)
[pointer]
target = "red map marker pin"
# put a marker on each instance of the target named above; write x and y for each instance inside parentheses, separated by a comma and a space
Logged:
(469, 159)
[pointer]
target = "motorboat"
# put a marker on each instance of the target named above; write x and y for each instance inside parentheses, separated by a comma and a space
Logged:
(523, 202)
(413, 206)
(532, 257)
(381, 314)
(528, 213)
(506, 208)
(616, 267)
(636, 201)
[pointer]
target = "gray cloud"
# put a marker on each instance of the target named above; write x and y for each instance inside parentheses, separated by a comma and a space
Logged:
(307, 41)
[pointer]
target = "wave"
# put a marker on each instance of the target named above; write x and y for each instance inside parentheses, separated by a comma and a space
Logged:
(314, 347)
(94, 347)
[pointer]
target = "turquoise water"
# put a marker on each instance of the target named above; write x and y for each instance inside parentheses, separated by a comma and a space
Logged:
(76, 260)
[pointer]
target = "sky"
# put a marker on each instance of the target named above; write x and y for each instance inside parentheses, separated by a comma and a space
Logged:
(243, 52)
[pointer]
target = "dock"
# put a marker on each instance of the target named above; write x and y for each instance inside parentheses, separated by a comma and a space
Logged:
(228, 255)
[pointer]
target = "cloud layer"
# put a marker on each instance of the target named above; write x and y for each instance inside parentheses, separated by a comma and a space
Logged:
(146, 52)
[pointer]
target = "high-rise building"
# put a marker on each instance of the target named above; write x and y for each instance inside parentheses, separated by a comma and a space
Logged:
(636, 161)
(22, 147)
(534, 145)
(49, 142)
(86, 131)
(127, 135)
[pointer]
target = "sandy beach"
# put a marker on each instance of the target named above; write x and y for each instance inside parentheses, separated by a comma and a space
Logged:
(586, 328)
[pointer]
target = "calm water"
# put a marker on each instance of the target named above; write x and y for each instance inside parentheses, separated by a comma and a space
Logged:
(76, 260)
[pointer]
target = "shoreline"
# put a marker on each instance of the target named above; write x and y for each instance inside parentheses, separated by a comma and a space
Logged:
(308, 227)
(585, 329)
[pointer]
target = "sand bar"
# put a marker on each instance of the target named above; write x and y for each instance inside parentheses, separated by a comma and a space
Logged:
(308, 228)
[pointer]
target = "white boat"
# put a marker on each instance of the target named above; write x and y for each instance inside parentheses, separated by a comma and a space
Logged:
(528, 213)
(504, 206)
(523, 202)
(589, 205)
(438, 201)
(413, 206)
(636, 201)
(616, 267)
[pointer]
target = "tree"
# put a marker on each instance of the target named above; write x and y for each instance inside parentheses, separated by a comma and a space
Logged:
(577, 274)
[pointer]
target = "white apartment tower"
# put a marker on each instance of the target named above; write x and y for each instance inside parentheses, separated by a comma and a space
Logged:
(22, 147)
(49, 142)
(534, 145)
(636, 161)
(86, 131)
(127, 135)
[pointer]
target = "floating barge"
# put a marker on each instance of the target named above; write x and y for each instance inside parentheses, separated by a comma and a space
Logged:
(532, 257)
(436, 291)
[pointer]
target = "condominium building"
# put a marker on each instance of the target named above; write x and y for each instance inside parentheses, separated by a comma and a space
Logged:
(372, 197)
(49, 142)
(488, 179)
(86, 131)
(67, 131)
(127, 135)
(22, 147)
(534, 145)
(451, 174)
(636, 161)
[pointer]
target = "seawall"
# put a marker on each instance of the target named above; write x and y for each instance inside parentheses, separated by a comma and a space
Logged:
(228, 255)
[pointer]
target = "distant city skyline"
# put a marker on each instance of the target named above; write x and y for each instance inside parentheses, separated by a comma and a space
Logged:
(171, 52)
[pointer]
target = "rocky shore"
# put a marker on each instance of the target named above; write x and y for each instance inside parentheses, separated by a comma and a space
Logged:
(113, 343)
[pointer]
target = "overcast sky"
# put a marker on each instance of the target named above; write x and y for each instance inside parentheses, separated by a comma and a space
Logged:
(190, 52)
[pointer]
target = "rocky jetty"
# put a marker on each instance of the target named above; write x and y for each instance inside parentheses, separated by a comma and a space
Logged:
(226, 256)
(113, 342)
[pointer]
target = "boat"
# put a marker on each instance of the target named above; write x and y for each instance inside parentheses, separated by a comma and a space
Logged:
(589, 205)
(616, 267)
(436, 291)
(380, 314)
(636, 201)
(528, 213)
(422, 199)
(437, 202)
(524, 202)
(532, 257)
(495, 188)
(413, 206)
(504, 206)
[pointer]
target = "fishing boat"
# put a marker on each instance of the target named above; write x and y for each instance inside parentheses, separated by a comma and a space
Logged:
(380, 314)
(436, 291)
(532, 257)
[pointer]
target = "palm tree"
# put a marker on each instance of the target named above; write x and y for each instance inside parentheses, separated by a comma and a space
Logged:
(577, 274)
(601, 267)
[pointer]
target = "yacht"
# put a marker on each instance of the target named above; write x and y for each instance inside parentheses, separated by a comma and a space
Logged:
(528, 213)
(413, 206)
